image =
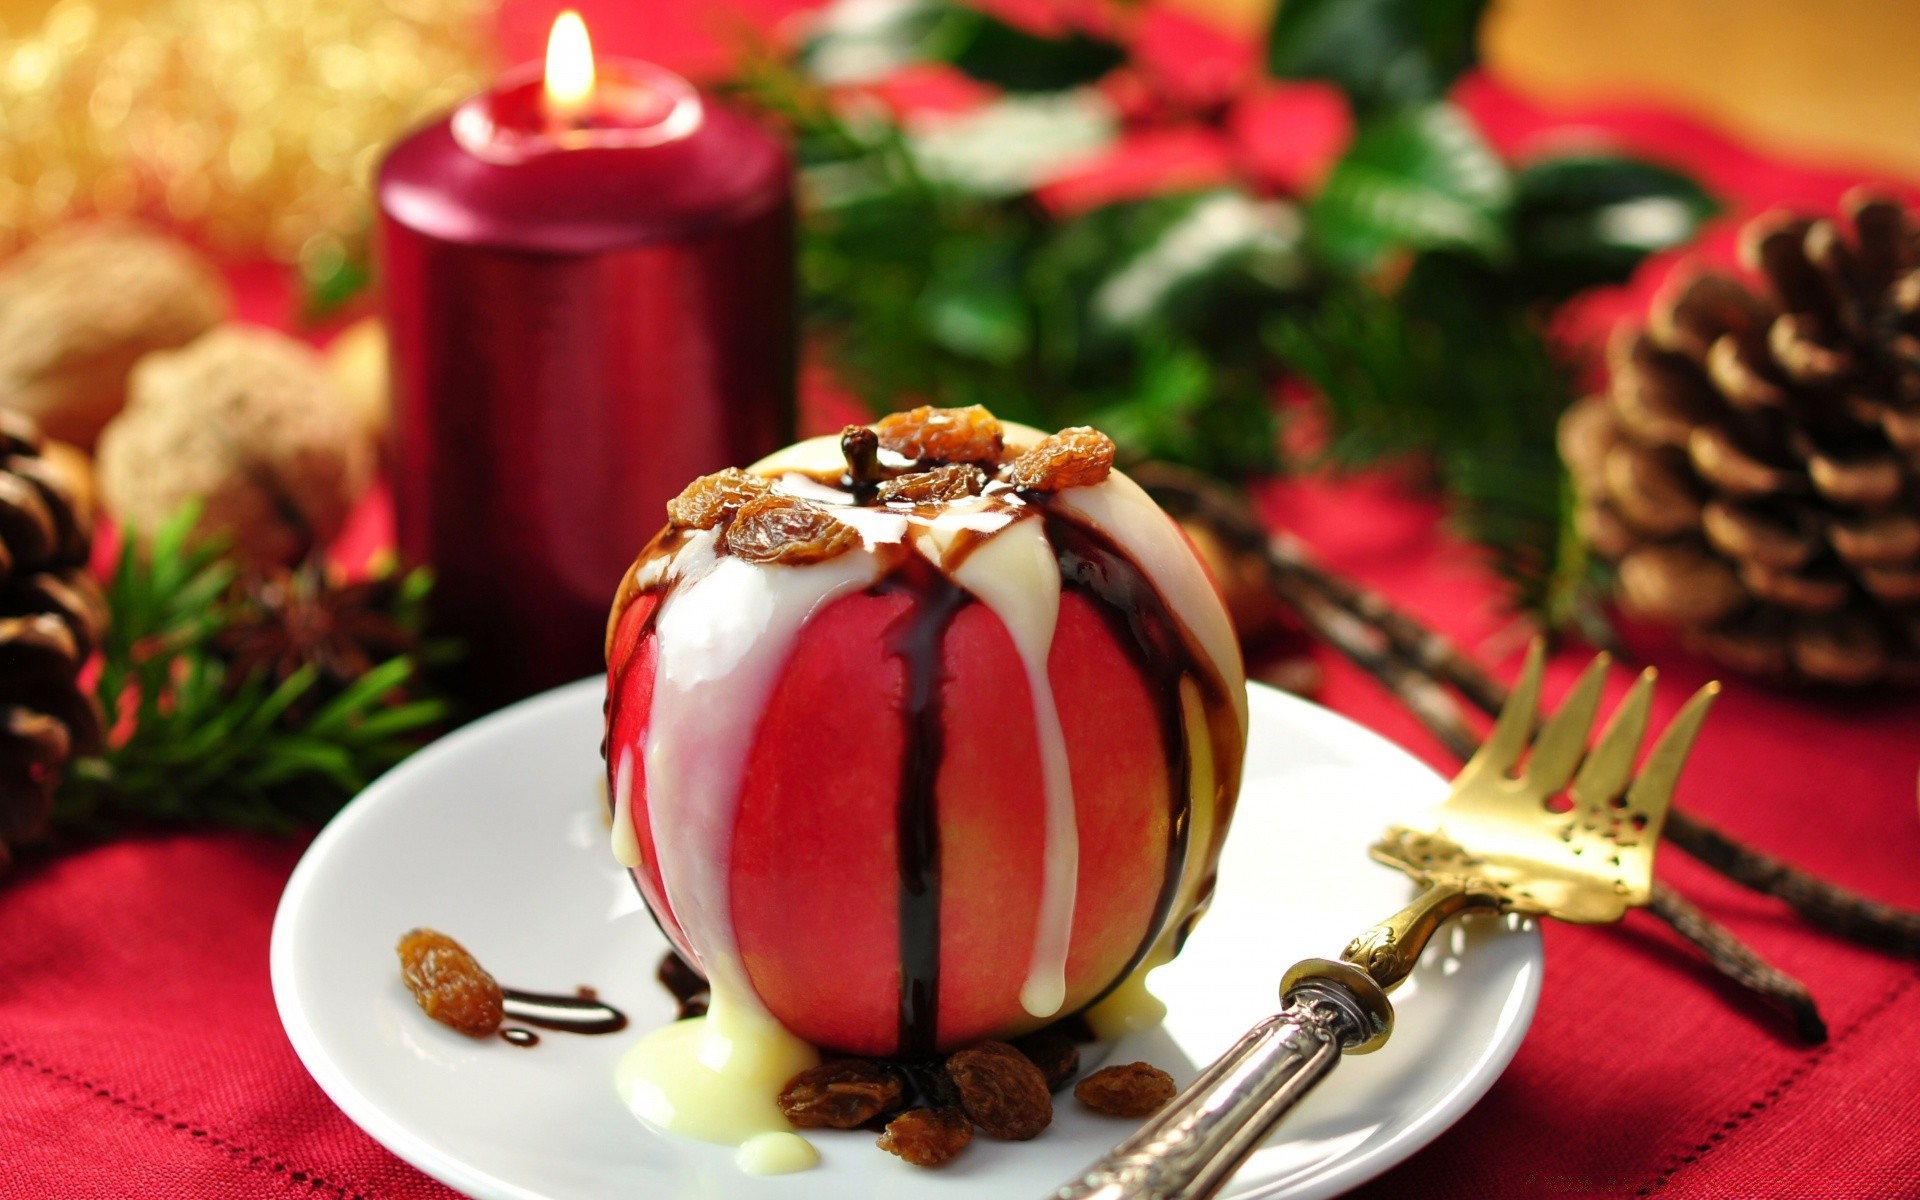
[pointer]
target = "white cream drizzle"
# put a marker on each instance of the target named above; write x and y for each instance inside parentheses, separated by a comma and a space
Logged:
(1122, 510)
(717, 1077)
(1130, 1007)
(723, 638)
(626, 839)
(1015, 574)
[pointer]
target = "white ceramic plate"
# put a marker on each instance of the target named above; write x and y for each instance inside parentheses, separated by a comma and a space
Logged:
(495, 835)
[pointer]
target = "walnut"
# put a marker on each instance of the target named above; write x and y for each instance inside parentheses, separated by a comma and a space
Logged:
(249, 423)
(78, 310)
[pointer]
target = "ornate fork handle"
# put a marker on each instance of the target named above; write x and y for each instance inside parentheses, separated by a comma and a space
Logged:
(1192, 1147)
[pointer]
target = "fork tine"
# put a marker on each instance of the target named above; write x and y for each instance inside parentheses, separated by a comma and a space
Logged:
(1515, 723)
(1610, 765)
(1557, 751)
(1652, 790)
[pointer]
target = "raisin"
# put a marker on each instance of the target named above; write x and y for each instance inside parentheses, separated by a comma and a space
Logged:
(1053, 1052)
(448, 983)
(787, 529)
(844, 1093)
(954, 435)
(1076, 457)
(955, 481)
(713, 499)
(1133, 1090)
(1004, 1093)
(928, 1137)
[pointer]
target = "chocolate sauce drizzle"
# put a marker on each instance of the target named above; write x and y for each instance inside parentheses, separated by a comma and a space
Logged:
(916, 639)
(1139, 617)
(519, 1037)
(582, 1012)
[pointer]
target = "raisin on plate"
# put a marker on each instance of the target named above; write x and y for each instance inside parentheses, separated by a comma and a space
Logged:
(842, 1093)
(1133, 1090)
(448, 983)
(928, 1137)
(1001, 1089)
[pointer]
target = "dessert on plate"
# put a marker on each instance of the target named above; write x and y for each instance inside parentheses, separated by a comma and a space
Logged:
(919, 736)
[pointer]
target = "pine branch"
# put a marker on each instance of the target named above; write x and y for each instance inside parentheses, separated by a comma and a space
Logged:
(197, 743)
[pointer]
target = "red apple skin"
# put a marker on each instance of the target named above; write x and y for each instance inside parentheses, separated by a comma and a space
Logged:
(815, 874)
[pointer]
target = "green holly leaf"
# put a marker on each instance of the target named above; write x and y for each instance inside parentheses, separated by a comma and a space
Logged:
(1381, 53)
(858, 41)
(1583, 220)
(1415, 179)
(992, 51)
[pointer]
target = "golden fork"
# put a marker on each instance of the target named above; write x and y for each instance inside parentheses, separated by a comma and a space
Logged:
(1506, 840)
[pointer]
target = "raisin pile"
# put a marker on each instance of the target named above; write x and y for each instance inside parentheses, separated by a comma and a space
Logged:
(928, 1110)
(938, 456)
(448, 983)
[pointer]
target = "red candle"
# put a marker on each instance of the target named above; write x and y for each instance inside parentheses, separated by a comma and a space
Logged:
(588, 281)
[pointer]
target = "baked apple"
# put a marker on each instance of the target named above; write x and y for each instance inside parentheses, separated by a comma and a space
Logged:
(924, 734)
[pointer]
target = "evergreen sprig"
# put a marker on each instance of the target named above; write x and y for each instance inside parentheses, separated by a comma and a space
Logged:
(1412, 289)
(192, 743)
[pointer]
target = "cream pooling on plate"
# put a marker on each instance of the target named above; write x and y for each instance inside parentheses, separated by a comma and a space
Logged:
(725, 626)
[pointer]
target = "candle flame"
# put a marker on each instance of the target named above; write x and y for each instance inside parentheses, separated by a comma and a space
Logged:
(569, 66)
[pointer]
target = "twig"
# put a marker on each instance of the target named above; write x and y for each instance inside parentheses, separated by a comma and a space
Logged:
(1820, 902)
(1432, 705)
(1732, 958)
(1417, 682)
(1433, 653)
(1827, 905)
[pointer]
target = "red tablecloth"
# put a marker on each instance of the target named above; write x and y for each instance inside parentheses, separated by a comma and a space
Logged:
(140, 1053)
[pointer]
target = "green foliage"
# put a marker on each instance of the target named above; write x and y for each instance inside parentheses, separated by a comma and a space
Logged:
(1584, 220)
(1449, 370)
(1139, 317)
(1414, 179)
(1412, 290)
(883, 38)
(1384, 54)
(195, 745)
(995, 52)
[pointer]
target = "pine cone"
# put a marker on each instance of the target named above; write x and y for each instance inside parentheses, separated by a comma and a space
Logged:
(1753, 471)
(52, 615)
